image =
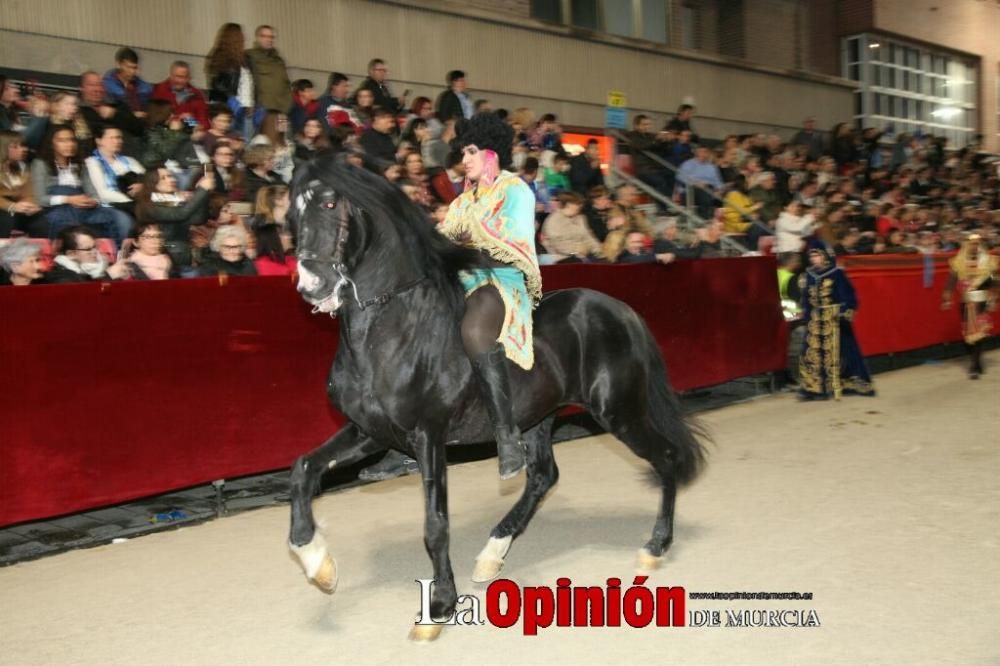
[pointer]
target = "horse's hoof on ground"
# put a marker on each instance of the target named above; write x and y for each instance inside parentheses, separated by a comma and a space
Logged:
(486, 570)
(425, 633)
(490, 560)
(326, 578)
(646, 561)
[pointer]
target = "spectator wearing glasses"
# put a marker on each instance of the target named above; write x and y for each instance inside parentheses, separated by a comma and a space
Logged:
(378, 72)
(270, 75)
(80, 261)
(229, 180)
(148, 260)
(229, 245)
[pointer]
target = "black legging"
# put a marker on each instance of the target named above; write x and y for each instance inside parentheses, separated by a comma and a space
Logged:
(483, 320)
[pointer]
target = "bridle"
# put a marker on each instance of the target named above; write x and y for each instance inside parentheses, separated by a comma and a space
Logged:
(336, 262)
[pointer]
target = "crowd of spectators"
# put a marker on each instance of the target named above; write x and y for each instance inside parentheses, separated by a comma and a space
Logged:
(186, 182)
(857, 192)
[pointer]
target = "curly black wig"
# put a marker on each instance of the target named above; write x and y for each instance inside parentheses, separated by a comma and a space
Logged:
(487, 132)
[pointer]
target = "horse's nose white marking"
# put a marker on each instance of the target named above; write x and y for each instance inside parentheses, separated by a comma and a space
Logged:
(308, 281)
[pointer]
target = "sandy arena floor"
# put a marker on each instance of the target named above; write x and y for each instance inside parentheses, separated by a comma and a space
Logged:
(886, 509)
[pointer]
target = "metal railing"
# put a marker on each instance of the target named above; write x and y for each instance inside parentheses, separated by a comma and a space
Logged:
(690, 187)
(694, 221)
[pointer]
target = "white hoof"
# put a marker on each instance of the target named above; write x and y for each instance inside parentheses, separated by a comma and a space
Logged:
(646, 561)
(490, 560)
(317, 564)
(425, 633)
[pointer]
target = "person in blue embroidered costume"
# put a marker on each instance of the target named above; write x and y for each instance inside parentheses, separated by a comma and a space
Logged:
(496, 215)
(831, 363)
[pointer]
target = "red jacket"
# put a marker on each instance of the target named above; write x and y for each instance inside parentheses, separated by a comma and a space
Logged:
(442, 187)
(195, 104)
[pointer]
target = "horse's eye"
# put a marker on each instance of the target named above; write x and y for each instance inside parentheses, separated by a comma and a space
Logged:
(330, 204)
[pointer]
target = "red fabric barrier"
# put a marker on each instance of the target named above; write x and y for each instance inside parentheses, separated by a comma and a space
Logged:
(898, 309)
(128, 390)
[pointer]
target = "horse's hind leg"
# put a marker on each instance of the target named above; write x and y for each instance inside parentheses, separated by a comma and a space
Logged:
(647, 444)
(347, 446)
(663, 530)
(542, 475)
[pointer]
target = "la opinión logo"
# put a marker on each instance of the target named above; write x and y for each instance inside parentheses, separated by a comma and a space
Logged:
(566, 605)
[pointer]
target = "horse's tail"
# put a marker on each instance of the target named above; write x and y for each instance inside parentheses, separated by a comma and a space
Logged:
(686, 454)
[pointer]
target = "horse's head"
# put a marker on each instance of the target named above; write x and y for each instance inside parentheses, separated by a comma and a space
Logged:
(324, 219)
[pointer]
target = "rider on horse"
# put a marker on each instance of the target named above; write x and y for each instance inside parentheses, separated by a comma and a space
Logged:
(496, 215)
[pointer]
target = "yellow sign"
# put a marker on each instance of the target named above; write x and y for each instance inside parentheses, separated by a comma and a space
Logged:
(616, 99)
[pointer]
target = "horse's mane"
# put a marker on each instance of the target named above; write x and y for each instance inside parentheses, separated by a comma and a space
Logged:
(435, 256)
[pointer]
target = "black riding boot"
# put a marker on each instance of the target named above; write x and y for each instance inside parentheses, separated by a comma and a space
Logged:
(494, 383)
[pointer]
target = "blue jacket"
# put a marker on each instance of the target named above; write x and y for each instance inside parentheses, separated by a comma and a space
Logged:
(115, 89)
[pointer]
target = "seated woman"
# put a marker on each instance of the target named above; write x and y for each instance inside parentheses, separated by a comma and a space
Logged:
(260, 164)
(274, 250)
(61, 110)
(311, 140)
(164, 134)
(117, 178)
(273, 132)
(221, 131)
(230, 246)
(148, 261)
(18, 209)
(271, 206)
(566, 233)
(176, 212)
(64, 190)
(738, 204)
(19, 264)
(229, 179)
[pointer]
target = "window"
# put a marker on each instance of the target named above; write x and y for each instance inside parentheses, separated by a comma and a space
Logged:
(689, 26)
(654, 21)
(547, 10)
(616, 17)
(585, 14)
(645, 19)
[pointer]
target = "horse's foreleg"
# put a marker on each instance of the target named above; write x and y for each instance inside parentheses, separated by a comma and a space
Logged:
(542, 475)
(430, 456)
(347, 446)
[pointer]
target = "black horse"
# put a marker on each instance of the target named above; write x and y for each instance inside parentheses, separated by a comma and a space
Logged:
(367, 254)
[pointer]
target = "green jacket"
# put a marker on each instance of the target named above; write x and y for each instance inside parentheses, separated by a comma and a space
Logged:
(771, 200)
(272, 88)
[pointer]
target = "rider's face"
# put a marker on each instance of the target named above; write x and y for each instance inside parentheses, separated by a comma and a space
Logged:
(473, 159)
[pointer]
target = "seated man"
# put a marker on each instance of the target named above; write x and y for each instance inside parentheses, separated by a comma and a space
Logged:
(123, 83)
(79, 261)
(186, 101)
(637, 251)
